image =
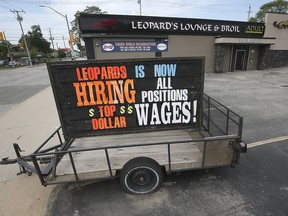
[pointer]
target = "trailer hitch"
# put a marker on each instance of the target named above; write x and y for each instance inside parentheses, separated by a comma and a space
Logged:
(6, 161)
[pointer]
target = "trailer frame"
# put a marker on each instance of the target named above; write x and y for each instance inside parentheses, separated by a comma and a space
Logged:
(211, 131)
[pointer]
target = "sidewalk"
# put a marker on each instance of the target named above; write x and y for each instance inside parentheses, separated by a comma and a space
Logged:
(27, 124)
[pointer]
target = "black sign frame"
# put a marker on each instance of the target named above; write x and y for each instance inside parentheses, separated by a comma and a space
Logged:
(153, 86)
(120, 24)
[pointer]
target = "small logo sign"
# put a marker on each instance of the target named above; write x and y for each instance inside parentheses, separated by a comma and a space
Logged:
(281, 25)
(108, 47)
(134, 46)
(161, 46)
(253, 29)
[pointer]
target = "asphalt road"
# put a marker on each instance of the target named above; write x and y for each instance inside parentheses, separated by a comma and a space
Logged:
(19, 84)
(258, 186)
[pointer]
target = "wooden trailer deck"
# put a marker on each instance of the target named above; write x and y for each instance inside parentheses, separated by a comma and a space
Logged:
(93, 164)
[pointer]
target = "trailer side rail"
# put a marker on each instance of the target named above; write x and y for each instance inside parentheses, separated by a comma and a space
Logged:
(47, 178)
(220, 123)
(219, 120)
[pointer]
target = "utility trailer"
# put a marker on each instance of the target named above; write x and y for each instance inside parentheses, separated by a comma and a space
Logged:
(135, 119)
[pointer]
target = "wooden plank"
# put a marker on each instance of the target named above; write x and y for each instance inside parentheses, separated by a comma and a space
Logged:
(218, 152)
(131, 139)
(82, 176)
(183, 155)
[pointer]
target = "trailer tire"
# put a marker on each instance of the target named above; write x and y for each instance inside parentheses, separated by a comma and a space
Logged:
(141, 175)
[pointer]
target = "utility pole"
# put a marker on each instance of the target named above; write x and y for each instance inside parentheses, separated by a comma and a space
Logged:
(139, 2)
(51, 38)
(20, 19)
(65, 46)
(249, 12)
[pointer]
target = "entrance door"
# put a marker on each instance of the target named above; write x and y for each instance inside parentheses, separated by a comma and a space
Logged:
(240, 60)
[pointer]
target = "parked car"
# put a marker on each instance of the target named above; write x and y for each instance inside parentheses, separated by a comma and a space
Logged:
(13, 63)
(4, 62)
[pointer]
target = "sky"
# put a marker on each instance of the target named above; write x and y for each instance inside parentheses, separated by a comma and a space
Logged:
(235, 10)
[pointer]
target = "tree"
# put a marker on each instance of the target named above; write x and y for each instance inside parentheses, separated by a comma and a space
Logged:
(89, 10)
(277, 6)
(3, 50)
(36, 41)
(61, 54)
(75, 24)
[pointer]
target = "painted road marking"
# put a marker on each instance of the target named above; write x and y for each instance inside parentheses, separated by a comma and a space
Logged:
(268, 141)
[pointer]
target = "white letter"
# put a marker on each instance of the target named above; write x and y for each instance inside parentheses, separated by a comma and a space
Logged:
(176, 106)
(142, 114)
(155, 115)
(186, 111)
(144, 95)
(165, 113)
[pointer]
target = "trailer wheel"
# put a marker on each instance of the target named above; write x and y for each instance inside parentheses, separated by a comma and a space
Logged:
(141, 175)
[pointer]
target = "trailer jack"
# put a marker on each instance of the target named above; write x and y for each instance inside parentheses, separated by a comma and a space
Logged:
(22, 169)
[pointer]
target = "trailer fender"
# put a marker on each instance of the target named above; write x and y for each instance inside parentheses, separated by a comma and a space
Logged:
(141, 175)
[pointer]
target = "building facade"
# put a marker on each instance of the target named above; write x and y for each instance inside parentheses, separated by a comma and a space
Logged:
(275, 55)
(226, 45)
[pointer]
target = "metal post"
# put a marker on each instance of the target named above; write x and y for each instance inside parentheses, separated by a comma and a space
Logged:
(208, 122)
(169, 157)
(204, 153)
(227, 121)
(38, 170)
(108, 162)
(240, 126)
(66, 18)
(70, 35)
(139, 2)
(64, 46)
(51, 38)
(73, 166)
(249, 12)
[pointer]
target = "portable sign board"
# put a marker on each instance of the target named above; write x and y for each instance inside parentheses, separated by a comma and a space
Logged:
(108, 97)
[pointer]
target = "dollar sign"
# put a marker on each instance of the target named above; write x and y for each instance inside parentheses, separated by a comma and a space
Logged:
(122, 109)
(130, 109)
(91, 112)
